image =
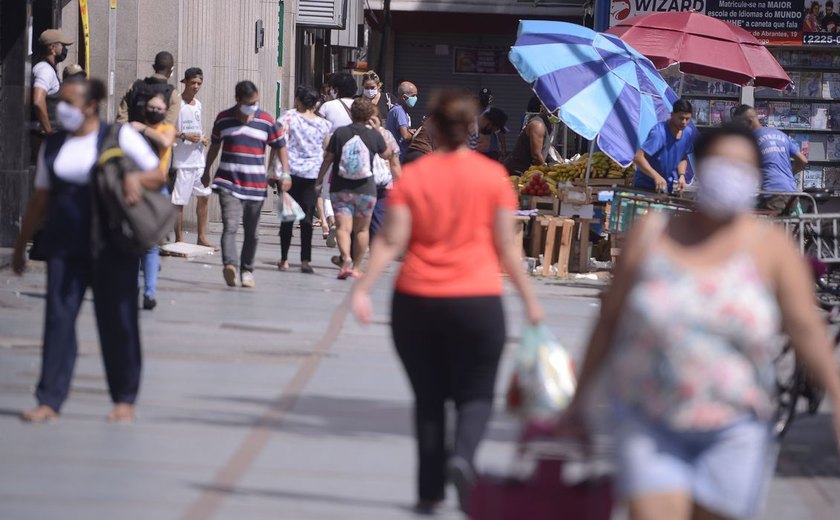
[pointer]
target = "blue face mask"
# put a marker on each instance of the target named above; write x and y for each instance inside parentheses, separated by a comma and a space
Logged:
(411, 101)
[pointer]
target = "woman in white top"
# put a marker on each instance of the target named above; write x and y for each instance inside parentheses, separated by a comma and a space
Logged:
(305, 132)
(62, 191)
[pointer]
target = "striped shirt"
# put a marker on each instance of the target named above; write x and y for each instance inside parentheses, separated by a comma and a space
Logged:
(242, 169)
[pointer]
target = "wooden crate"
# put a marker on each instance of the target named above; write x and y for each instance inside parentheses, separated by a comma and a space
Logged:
(549, 205)
(558, 237)
(604, 183)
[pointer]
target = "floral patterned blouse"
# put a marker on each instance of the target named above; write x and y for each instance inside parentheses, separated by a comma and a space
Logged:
(694, 348)
(304, 139)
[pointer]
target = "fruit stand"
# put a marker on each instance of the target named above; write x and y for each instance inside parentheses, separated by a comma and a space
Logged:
(563, 208)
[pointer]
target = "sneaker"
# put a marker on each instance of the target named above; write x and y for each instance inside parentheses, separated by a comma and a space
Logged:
(462, 476)
(248, 280)
(149, 303)
(331, 242)
(229, 273)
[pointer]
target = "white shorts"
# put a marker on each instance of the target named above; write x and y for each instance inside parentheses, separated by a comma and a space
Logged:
(187, 184)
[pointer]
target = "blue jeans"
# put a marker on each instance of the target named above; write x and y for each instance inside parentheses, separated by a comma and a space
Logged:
(378, 218)
(150, 264)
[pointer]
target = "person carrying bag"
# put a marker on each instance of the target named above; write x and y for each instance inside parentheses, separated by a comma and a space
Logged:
(83, 248)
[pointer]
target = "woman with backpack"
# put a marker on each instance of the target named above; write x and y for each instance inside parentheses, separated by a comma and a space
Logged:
(62, 190)
(352, 186)
(305, 133)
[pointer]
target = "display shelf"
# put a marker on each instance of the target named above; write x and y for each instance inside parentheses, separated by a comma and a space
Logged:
(796, 99)
(812, 108)
(805, 130)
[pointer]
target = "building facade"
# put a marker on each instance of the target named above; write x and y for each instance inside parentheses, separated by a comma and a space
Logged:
(439, 43)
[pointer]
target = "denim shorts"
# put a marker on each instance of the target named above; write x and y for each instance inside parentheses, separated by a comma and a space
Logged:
(726, 471)
(350, 204)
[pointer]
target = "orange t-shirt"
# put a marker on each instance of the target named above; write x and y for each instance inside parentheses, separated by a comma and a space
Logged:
(453, 198)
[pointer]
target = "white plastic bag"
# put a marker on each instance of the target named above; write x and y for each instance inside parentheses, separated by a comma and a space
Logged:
(543, 381)
(288, 210)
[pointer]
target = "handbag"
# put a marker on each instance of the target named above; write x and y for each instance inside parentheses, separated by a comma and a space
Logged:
(134, 229)
(554, 481)
(543, 381)
(288, 210)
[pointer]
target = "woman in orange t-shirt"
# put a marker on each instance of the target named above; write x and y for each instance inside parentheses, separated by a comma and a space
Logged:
(453, 212)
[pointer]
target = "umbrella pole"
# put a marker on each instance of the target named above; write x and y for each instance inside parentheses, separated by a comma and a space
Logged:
(589, 161)
(682, 84)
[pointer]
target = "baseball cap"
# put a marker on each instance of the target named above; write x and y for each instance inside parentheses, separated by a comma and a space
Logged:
(73, 69)
(51, 36)
(498, 117)
(192, 72)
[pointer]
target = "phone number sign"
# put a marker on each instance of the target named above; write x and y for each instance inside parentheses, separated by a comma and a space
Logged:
(773, 22)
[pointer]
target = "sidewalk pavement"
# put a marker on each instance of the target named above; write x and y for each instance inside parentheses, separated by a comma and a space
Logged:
(268, 403)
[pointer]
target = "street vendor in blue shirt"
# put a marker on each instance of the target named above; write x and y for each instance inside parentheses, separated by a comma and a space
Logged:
(662, 161)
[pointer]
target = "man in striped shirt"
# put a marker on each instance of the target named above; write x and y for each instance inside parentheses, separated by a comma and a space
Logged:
(241, 133)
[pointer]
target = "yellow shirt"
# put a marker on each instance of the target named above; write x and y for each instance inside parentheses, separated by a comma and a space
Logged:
(165, 155)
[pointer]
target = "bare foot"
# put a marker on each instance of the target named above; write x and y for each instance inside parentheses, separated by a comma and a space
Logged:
(121, 413)
(41, 414)
(283, 265)
(206, 243)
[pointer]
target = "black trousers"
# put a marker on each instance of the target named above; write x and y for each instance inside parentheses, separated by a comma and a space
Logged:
(113, 278)
(450, 348)
(303, 191)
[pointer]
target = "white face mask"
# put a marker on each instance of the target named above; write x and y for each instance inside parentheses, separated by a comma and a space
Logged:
(70, 117)
(249, 110)
(371, 93)
(726, 188)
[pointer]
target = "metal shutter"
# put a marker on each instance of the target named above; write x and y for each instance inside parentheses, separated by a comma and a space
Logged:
(417, 60)
(349, 36)
(327, 14)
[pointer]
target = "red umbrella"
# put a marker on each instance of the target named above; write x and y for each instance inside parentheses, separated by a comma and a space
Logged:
(703, 45)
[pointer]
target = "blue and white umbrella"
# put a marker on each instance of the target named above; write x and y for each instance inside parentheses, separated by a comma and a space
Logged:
(599, 86)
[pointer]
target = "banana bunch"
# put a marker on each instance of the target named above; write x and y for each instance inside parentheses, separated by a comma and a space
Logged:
(602, 168)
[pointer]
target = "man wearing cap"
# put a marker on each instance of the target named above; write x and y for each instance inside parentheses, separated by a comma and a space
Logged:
(188, 158)
(45, 84)
(133, 104)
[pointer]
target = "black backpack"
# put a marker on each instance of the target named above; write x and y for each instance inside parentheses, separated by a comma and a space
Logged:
(141, 91)
(132, 229)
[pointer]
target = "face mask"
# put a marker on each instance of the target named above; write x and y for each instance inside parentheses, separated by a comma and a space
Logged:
(411, 101)
(70, 117)
(727, 188)
(154, 117)
(61, 56)
(249, 110)
(553, 119)
(370, 93)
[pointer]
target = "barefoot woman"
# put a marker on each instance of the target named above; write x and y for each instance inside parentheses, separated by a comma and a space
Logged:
(61, 190)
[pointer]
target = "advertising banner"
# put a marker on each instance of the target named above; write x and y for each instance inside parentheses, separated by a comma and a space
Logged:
(773, 22)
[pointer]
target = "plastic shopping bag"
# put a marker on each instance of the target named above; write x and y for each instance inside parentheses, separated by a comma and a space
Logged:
(288, 210)
(543, 381)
